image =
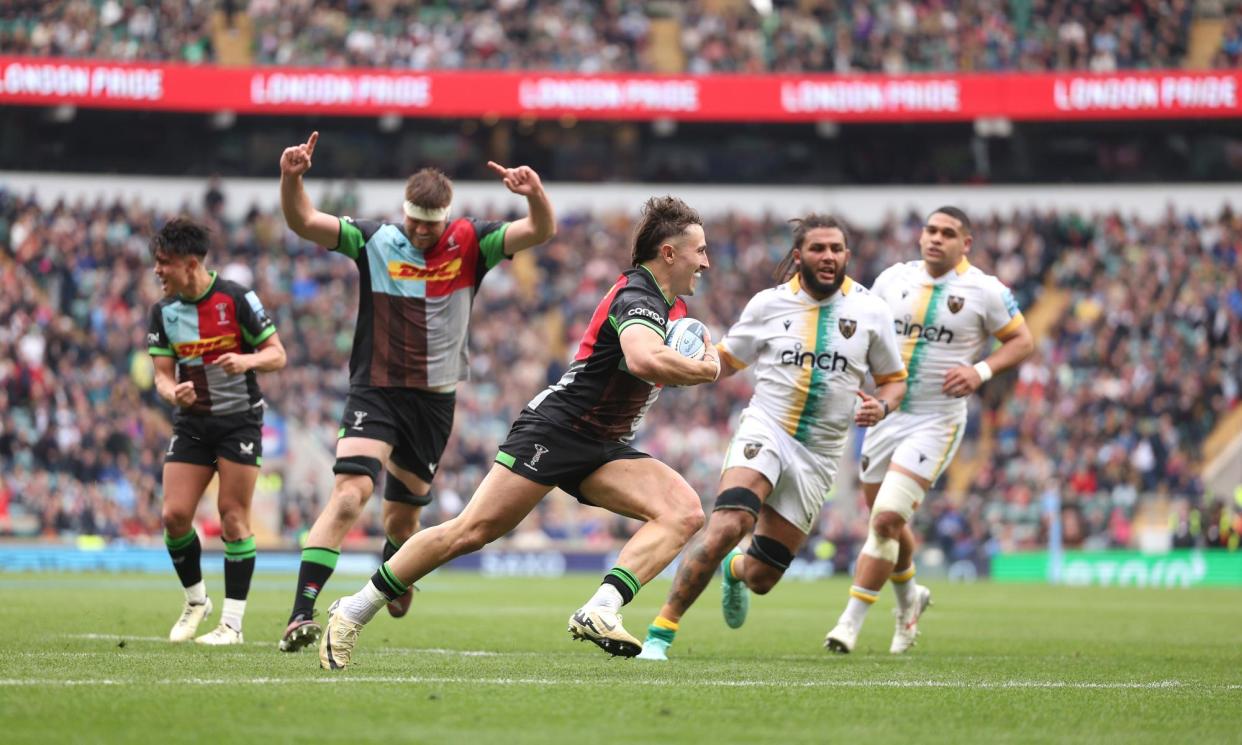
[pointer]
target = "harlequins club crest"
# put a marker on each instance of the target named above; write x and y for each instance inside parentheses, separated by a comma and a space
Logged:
(847, 326)
(956, 302)
(751, 450)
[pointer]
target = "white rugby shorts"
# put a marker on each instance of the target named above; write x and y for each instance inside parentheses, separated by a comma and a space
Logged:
(801, 479)
(921, 443)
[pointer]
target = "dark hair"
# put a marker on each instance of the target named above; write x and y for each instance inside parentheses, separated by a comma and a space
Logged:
(430, 189)
(662, 218)
(802, 226)
(956, 214)
(182, 237)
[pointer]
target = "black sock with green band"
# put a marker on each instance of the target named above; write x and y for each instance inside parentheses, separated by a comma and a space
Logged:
(391, 548)
(387, 583)
(239, 559)
(317, 566)
(187, 555)
(625, 582)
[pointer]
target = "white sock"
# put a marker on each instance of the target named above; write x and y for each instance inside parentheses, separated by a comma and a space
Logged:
(606, 597)
(196, 594)
(856, 611)
(905, 593)
(232, 613)
(362, 606)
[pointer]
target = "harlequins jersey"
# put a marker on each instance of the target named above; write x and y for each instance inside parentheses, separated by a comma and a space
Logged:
(598, 395)
(414, 306)
(226, 318)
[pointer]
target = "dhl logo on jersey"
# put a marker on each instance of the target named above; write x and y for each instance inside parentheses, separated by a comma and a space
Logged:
(200, 347)
(443, 273)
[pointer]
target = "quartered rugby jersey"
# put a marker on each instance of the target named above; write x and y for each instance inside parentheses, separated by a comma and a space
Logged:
(414, 306)
(598, 395)
(943, 323)
(226, 318)
(811, 356)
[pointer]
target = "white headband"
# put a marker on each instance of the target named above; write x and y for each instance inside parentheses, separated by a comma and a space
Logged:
(414, 212)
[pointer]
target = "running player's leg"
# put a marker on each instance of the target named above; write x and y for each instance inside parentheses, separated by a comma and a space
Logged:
(237, 482)
(184, 483)
(903, 569)
(423, 422)
(904, 586)
(899, 494)
(645, 489)
(405, 495)
(498, 505)
(775, 543)
(742, 491)
(358, 463)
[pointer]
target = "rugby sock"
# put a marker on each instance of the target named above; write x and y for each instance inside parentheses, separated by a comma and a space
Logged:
(187, 553)
(619, 588)
(663, 629)
(735, 564)
(317, 566)
(239, 559)
(390, 547)
(383, 588)
(234, 609)
(903, 587)
(861, 600)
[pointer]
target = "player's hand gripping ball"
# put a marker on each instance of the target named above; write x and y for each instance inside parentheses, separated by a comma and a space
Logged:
(685, 335)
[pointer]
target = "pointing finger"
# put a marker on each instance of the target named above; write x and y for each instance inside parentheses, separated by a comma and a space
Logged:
(310, 143)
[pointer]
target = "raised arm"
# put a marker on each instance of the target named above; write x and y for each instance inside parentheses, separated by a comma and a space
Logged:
(300, 214)
(540, 224)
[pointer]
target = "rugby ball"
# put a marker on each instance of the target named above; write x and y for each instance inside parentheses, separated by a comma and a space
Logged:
(685, 335)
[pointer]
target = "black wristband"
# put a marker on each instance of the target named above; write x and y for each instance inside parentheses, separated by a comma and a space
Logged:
(885, 405)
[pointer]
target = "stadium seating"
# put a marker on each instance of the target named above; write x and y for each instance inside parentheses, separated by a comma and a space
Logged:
(573, 35)
(81, 431)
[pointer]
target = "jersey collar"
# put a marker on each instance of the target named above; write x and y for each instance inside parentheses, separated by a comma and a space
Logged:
(206, 292)
(962, 267)
(795, 286)
(657, 284)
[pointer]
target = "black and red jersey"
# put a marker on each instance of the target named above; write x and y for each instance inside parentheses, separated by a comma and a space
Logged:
(598, 395)
(226, 318)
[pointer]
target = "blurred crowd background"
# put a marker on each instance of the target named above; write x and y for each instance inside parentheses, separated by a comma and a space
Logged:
(1107, 427)
(695, 37)
(1111, 412)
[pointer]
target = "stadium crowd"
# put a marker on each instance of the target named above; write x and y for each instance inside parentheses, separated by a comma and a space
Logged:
(891, 36)
(1112, 409)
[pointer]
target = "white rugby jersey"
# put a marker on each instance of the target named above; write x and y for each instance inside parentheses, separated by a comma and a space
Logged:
(943, 323)
(811, 356)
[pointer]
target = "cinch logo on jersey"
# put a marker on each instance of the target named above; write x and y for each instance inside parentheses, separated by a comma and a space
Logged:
(904, 327)
(444, 273)
(200, 347)
(646, 313)
(821, 361)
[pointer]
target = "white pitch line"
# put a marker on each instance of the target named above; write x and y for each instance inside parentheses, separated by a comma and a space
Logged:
(382, 650)
(425, 680)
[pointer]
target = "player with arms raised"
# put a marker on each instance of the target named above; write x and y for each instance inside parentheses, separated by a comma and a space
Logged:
(207, 338)
(945, 310)
(812, 340)
(418, 281)
(575, 434)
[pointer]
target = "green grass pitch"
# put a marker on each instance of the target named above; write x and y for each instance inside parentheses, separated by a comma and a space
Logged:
(489, 661)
